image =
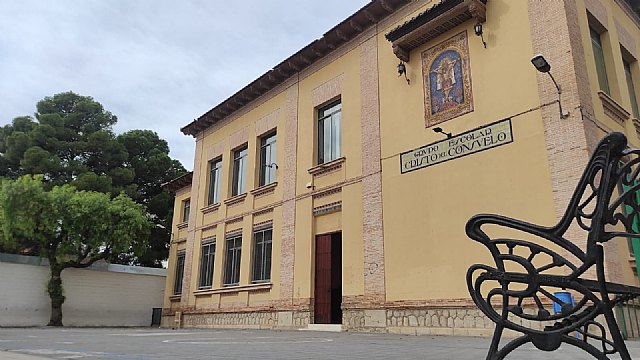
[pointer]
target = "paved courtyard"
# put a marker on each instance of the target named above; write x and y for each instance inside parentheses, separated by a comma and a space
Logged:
(151, 344)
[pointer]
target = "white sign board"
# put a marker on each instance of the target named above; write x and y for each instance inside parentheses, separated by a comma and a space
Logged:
(470, 142)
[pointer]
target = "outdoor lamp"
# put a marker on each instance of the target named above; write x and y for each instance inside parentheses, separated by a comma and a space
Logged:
(402, 70)
(541, 64)
(439, 130)
(477, 28)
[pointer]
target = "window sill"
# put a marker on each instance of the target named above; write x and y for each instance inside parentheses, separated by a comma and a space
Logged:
(328, 167)
(238, 199)
(613, 109)
(182, 225)
(264, 189)
(210, 208)
(175, 297)
(234, 289)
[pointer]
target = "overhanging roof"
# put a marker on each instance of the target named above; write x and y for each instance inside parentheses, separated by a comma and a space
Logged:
(345, 31)
(179, 182)
(433, 22)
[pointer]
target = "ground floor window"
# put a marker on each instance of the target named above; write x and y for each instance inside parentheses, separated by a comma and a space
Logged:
(262, 255)
(232, 260)
(177, 285)
(206, 263)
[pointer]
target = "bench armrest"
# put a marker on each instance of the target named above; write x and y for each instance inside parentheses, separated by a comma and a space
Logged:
(475, 232)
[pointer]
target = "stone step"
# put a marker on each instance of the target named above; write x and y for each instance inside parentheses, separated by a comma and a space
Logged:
(324, 327)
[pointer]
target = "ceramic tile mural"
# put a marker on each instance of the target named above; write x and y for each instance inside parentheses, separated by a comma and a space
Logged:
(447, 80)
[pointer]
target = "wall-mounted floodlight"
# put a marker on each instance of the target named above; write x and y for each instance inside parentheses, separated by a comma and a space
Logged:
(543, 66)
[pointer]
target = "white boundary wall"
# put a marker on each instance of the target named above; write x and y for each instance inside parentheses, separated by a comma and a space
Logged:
(102, 295)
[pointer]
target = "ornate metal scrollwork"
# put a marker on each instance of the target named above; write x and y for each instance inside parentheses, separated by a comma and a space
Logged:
(529, 275)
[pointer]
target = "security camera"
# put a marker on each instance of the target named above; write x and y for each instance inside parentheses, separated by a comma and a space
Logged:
(309, 185)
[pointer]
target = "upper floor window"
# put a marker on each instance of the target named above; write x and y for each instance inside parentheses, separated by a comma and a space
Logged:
(206, 263)
(239, 181)
(598, 54)
(177, 285)
(186, 208)
(329, 132)
(215, 168)
(632, 89)
(232, 261)
(262, 255)
(267, 159)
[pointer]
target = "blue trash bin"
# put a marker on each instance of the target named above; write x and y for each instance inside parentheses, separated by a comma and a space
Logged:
(565, 297)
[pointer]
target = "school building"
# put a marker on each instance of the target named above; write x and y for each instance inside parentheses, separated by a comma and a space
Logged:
(333, 190)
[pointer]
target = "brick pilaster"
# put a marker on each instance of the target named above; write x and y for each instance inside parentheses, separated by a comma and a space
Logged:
(373, 236)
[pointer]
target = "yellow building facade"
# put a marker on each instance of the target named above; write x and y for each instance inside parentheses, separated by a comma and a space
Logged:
(321, 193)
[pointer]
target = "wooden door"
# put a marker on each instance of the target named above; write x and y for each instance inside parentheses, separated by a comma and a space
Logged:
(322, 293)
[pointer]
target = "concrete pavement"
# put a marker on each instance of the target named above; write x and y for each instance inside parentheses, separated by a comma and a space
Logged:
(161, 344)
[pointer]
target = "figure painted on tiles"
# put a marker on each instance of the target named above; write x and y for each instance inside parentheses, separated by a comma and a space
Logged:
(447, 80)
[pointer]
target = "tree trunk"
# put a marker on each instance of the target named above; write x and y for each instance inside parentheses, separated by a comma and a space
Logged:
(55, 294)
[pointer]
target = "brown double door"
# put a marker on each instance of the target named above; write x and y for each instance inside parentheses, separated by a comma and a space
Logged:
(328, 279)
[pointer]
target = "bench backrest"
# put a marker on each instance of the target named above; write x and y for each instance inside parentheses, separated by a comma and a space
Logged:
(612, 170)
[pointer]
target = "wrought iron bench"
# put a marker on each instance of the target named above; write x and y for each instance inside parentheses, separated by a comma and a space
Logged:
(518, 292)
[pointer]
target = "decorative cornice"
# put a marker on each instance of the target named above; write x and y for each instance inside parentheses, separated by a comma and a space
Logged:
(613, 109)
(209, 227)
(263, 211)
(263, 225)
(234, 220)
(327, 209)
(233, 233)
(326, 193)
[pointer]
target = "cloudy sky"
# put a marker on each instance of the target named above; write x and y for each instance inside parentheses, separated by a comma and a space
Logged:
(156, 64)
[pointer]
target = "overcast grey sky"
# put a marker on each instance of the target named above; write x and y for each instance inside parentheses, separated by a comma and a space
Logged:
(156, 64)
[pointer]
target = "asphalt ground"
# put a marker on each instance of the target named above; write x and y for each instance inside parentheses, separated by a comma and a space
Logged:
(151, 344)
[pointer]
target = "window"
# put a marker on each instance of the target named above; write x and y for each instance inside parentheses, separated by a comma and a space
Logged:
(262, 255)
(206, 263)
(215, 168)
(239, 171)
(632, 90)
(186, 205)
(268, 159)
(177, 285)
(232, 261)
(598, 54)
(329, 135)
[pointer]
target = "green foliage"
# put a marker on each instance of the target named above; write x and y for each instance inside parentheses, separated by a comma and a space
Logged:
(71, 141)
(69, 227)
